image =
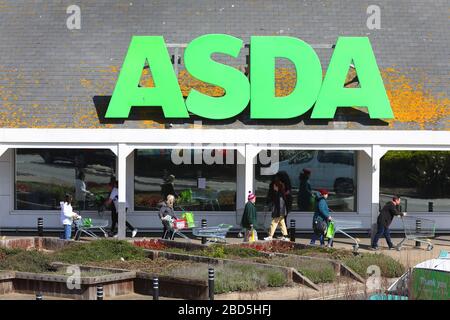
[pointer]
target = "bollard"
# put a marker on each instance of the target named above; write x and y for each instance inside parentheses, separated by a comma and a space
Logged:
(203, 226)
(99, 292)
(40, 227)
(211, 283)
(418, 229)
(39, 296)
(430, 206)
(292, 230)
(155, 288)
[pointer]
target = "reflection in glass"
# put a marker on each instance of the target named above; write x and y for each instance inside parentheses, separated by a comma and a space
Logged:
(421, 178)
(196, 185)
(44, 176)
(329, 169)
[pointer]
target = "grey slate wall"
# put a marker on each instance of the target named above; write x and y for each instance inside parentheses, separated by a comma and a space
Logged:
(50, 76)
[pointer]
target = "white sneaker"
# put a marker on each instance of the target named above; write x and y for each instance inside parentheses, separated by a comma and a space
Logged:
(240, 235)
(285, 239)
(115, 236)
(268, 238)
(134, 232)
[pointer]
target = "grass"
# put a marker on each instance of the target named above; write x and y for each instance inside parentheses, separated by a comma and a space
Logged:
(76, 253)
(317, 271)
(99, 250)
(323, 252)
(389, 267)
(241, 277)
(25, 261)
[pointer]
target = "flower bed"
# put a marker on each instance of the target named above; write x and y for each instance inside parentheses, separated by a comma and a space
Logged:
(389, 267)
(228, 277)
(152, 244)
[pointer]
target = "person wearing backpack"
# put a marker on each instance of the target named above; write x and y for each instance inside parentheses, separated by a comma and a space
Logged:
(249, 216)
(321, 218)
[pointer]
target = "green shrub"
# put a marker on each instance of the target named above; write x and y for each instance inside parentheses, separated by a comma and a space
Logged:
(276, 278)
(25, 261)
(389, 267)
(240, 277)
(99, 250)
(221, 251)
(316, 270)
(330, 253)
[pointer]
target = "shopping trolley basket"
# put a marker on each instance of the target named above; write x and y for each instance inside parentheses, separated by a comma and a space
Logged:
(418, 229)
(217, 233)
(88, 229)
(341, 225)
(174, 227)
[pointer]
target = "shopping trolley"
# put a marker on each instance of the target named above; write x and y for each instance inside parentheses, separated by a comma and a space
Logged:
(88, 229)
(418, 229)
(174, 227)
(217, 233)
(341, 225)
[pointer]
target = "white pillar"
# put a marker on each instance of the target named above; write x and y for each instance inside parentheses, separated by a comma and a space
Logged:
(3, 150)
(363, 183)
(240, 184)
(123, 153)
(250, 154)
(377, 153)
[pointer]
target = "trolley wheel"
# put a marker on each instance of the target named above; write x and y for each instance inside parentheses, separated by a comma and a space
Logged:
(355, 248)
(398, 248)
(430, 247)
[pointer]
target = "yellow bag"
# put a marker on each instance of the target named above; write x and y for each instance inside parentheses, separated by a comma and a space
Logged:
(253, 236)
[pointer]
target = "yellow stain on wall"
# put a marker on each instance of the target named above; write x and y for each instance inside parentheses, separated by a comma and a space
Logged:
(411, 103)
(85, 83)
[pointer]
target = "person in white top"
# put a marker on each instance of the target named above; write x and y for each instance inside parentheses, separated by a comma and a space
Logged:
(81, 191)
(114, 198)
(67, 216)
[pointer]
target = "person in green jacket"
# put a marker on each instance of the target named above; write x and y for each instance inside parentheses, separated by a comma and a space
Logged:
(249, 217)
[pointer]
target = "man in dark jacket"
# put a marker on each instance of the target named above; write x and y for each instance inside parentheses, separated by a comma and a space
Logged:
(384, 220)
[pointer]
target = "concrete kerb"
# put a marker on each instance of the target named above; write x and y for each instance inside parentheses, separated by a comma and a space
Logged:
(291, 274)
(340, 267)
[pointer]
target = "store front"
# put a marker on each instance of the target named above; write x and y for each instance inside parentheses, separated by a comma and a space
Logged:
(211, 172)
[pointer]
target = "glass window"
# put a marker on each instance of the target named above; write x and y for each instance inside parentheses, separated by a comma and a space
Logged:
(198, 183)
(421, 178)
(332, 170)
(44, 176)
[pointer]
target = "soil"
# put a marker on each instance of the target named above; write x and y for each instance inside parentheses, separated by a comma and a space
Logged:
(159, 266)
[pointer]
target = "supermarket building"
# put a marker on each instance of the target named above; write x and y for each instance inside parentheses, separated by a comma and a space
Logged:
(54, 133)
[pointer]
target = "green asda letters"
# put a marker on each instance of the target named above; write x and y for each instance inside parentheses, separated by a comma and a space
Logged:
(309, 89)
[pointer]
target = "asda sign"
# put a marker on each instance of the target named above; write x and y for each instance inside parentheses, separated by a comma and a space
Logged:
(326, 95)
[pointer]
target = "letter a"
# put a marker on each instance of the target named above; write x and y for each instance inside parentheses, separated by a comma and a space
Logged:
(166, 92)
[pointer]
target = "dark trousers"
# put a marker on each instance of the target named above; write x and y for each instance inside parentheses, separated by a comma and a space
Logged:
(382, 230)
(115, 220)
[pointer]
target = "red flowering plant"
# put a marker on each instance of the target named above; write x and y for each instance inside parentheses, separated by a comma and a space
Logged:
(152, 244)
(271, 246)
